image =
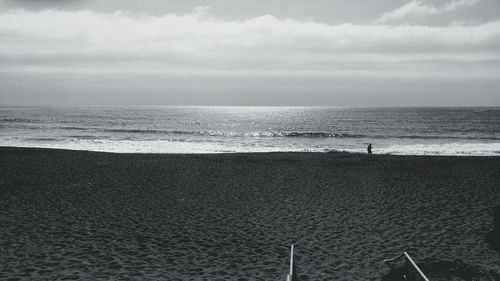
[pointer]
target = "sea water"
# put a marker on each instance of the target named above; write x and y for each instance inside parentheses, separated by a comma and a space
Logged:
(402, 131)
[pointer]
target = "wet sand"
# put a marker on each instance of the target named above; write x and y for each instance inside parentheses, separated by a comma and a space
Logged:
(101, 216)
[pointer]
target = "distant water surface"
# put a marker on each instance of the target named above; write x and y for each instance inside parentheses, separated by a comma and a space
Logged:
(404, 131)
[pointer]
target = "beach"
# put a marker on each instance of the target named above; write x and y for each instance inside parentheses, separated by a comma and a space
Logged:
(109, 216)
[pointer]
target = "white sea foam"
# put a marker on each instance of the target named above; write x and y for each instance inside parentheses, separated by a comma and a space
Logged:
(448, 149)
(124, 146)
(183, 147)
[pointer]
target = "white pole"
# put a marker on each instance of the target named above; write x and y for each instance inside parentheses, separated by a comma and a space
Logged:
(416, 267)
(290, 274)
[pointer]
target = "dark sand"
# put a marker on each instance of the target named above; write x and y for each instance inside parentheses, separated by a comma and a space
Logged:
(84, 215)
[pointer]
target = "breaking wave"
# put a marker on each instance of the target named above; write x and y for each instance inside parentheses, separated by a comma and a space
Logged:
(293, 134)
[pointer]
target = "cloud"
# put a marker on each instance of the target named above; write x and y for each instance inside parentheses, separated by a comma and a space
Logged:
(454, 5)
(417, 8)
(202, 44)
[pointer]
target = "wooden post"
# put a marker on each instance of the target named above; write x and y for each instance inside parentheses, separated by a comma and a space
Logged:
(290, 274)
(416, 267)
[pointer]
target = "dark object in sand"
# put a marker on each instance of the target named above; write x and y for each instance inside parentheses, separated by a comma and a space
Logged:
(442, 271)
(494, 236)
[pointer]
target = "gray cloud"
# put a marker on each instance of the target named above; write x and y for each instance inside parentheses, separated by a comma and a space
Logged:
(199, 42)
(85, 56)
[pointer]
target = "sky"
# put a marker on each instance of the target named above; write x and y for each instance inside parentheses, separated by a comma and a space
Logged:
(260, 52)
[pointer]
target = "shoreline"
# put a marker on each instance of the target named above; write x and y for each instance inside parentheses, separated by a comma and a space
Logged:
(375, 154)
(97, 215)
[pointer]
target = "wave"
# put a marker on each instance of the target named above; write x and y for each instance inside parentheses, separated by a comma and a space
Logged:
(19, 120)
(235, 134)
(42, 139)
(97, 132)
(293, 134)
(74, 128)
(86, 137)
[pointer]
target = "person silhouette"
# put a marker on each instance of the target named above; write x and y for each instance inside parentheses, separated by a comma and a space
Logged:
(369, 148)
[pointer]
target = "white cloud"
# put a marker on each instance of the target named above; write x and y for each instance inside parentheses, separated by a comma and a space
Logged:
(418, 8)
(456, 4)
(87, 41)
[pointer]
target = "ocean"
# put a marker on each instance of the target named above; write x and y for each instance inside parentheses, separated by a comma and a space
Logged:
(205, 129)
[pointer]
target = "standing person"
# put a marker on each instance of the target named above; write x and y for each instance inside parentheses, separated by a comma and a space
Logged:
(369, 148)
